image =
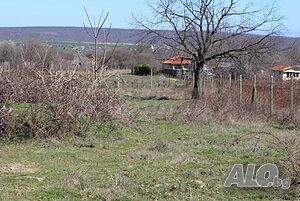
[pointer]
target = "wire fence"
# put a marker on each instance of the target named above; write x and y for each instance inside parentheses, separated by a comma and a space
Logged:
(269, 94)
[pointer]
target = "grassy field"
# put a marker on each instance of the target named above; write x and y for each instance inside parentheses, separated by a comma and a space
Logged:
(87, 44)
(149, 158)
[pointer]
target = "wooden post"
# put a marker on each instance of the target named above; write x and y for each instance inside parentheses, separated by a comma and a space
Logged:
(118, 81)
(200, 85)
(254, 93)
(151, 85)
(271, 95)
(212, 83)
(230, 80)
(292, 97)
(204, 84)
(193, 79)
(188, 79)
(241, 88)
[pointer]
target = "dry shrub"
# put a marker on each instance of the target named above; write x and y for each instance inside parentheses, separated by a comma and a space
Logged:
(59, 102)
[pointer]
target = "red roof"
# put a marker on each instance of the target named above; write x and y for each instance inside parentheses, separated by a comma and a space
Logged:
(177, 61)
(281, 68)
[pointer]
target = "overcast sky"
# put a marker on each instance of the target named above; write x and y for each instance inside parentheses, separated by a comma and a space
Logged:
(15, 13)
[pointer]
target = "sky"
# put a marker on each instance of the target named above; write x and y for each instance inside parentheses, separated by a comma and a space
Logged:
(20, 13)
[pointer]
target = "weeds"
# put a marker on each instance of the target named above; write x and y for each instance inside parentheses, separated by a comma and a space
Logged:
(59, 103)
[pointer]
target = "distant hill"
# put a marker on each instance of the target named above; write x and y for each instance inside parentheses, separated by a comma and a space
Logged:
(77, 34)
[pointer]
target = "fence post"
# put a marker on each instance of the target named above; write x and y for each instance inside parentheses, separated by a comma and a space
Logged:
(292, 96)
(254, 93)
(187, 80)
(241, 88)
(230, 81)
(200, 85)
(118, 81)
(151, 85)
(271, 95)
(204, 85)
(212, 83)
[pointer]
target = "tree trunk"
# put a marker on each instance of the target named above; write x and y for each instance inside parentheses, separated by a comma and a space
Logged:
(197, 81)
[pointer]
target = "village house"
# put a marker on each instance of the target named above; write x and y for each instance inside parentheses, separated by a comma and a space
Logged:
(286, 72)
(179, 66)
(176, 66)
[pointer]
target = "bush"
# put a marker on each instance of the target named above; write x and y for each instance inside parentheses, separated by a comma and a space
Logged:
(142, 70)
(58, 103)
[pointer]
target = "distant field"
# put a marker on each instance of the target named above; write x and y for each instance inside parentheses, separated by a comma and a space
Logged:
(86, 44)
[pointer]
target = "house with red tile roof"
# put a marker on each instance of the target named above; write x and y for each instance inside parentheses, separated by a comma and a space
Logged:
(176, 66)
(286, 72)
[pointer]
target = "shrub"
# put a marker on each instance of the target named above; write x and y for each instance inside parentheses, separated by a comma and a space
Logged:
(59, 103)
(142, 70)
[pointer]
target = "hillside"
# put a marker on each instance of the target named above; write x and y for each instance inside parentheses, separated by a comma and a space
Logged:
(63, 34)
(78, 34)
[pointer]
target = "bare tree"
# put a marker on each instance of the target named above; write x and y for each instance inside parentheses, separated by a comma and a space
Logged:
(8, 52)
(292, 54)
(210, 29)
(38, 54)
(94, 32)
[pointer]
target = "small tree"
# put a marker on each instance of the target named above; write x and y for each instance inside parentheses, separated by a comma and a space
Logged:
(94, 32)
(210, 30)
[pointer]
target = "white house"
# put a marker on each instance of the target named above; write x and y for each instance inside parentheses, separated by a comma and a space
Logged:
(286, 72)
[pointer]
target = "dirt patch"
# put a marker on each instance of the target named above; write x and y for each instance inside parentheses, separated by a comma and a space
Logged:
(33, 178)
(163, 147)
(17, 168)
(200, 183)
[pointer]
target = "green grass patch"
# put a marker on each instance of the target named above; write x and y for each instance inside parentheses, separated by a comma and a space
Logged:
(162, 160)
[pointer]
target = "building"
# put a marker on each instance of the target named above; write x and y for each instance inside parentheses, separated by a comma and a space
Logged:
(5, 65)
(179, 66)
(224, 69)
(286, 72)
(176, 66)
